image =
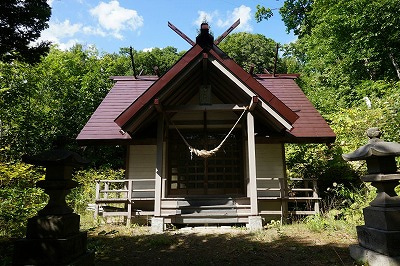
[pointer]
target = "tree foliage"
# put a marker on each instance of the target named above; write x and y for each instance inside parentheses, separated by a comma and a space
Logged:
(296, 14)
(341, 46)
(346, 41)
(21, 22)
(360, 38)
(58, 95)
(55, 97)
(249, 49)
(146, 61)
(262, 13)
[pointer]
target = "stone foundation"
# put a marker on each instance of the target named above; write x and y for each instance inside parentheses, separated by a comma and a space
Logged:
(255, 223)
(157, 225)
(364, 255)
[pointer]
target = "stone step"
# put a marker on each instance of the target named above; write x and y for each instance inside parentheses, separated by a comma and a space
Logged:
(208, 219)
(204, 202)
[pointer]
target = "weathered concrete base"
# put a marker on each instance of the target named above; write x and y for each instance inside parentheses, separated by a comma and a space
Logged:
(364, 255)
(255, 223)
(157, 225)
(382, 218)
(53, 226)
(385, 242)
(50, 251)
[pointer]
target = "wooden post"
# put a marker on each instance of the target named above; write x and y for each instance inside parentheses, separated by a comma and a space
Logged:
(129, 202)
(251, 151)
(159, 166)
(315, 196)
(284, 188)
(96, 208)
(106, 188)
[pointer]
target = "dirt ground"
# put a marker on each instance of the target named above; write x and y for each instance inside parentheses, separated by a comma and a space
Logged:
(287, 245)
(280, 245)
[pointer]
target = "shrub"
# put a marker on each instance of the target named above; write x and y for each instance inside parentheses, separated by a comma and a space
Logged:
(85, 193)
(19, 198)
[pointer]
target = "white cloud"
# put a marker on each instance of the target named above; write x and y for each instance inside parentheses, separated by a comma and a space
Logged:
(50, 2)
(243, 12)
(148, 49)
(93, 31)
(58, 31)
(205, 16)
(114, 18)
(67, 45)
(62, 29)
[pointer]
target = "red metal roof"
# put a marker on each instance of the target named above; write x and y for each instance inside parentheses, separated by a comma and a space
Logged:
(311, 126)
(101, 128)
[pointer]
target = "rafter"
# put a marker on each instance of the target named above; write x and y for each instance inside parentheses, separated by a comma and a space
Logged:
(231, 28)
(180, 33)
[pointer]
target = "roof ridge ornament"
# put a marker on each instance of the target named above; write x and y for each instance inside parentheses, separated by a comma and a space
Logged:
(204, 38)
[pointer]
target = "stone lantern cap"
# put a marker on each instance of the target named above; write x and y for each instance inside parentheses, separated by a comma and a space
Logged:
(56, 157)
(375, 148)
(379, 155)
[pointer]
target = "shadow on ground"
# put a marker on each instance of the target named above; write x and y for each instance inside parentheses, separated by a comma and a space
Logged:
(120, 245)
(215, 249)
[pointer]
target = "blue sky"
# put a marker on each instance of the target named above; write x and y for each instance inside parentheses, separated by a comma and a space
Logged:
(112, 24)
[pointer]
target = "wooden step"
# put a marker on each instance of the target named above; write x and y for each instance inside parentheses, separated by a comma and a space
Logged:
(302, 212)
(206, 210)
(111, 200)
(113, 190)
(302, 189)
(303, 198)
(208, 220)
(203, 202)
(270, 212)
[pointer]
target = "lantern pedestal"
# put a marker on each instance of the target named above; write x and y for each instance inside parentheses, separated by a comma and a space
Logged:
(378, 239)
(53, 236)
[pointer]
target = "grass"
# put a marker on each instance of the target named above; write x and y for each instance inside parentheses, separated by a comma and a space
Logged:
(293, 244)
(312, 242)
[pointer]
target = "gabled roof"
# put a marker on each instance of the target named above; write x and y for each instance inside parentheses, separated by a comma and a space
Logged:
(101, 128)
(140, 109)
(130, 103)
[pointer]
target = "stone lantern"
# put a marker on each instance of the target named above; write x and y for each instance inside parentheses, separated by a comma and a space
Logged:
(53, 236)
(379, 238)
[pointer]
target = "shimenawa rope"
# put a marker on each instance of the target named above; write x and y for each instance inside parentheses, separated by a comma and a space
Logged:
(208, 153)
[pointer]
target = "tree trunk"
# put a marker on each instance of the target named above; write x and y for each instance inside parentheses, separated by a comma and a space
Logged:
(395, 64)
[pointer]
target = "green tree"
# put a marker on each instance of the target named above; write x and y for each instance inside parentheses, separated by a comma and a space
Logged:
(55, 97)
(21, 22)
(262, 13)
(163, 58)
(360, 37)
(340, 45)
(296, 14)
(249, 49)
(58, 95)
